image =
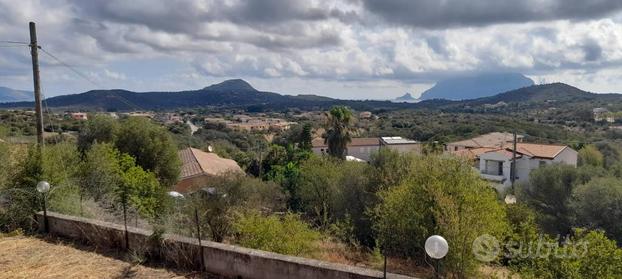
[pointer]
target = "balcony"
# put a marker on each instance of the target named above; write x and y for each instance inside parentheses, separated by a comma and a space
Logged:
(493, 177)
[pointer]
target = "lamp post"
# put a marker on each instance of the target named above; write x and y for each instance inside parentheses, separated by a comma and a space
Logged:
(43, 187)
(436, 247)
(178, 196)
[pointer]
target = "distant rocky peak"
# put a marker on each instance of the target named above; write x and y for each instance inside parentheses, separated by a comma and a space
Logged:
(231, 85)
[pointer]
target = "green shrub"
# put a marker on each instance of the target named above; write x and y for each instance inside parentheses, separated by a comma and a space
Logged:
(440, 195)
(589, 254)
(287, 235)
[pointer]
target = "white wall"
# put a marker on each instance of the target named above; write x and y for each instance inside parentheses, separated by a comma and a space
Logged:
(320, 150)
(567, 156)
(363, 152)
(405, 148)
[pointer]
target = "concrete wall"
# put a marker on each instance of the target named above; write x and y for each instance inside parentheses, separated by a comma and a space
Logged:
(567, 156)
(405, 148)
(363, 151)
(222, 259)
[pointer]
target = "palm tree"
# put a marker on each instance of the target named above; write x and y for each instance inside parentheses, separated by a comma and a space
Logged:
(338, 131)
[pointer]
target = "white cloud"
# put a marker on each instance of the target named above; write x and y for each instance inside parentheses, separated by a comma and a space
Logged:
(287, 42)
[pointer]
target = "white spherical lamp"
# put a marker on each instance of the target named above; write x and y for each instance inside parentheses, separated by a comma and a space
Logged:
(436, 247)
(43, 187)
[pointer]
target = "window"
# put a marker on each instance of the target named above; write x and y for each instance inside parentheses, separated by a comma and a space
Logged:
(542, 163)
(493, 167)
(455, 148)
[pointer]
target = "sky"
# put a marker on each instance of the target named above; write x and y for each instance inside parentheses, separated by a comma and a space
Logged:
(350, 49)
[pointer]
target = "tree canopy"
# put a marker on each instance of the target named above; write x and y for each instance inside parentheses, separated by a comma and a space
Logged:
(338, 131)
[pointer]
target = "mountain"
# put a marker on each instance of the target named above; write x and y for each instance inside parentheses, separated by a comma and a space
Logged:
(234, 93)
(545, 93)
(14, 95)
(546, 101)
(406, 98)
(231, 85)
(476, 86)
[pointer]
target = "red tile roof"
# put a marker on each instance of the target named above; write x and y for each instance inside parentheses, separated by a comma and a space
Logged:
(548, 151)
(197, 162)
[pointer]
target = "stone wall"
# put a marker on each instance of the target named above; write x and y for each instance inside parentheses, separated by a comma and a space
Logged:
(183, 252)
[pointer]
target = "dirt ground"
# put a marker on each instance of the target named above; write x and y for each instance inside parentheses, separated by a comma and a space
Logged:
(30, 257)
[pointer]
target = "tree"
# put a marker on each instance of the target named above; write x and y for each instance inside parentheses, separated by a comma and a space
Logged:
(611, 153)
(588, 254)
(319, 189)
(151, 146)
(338, 131)
(23, 199)
(306, 137)
(5, 156)
(109, 174)
(389, 168)
(441, 195)
(589, 155)
(224, 196)
(57, 164)
(99, 128)
(101, 172)
(598, 205)
(549, 192)
(60, 165)
(146, 195)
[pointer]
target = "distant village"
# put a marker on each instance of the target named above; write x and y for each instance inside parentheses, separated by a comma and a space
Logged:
(491, 154)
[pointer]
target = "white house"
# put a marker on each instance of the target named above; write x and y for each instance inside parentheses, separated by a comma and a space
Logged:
(603, 114)
(363, 148)
(401, 144)
(495, 165)
(360, 148)
(490, 140)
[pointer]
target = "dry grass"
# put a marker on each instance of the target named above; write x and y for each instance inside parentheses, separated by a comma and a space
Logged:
(498, 272)
(29, 257)
(336, 252)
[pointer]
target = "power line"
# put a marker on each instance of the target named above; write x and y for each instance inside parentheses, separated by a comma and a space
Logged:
(15, 42)
(73, 69)
(70, 68)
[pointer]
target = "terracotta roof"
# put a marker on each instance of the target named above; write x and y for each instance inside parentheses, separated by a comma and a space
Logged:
(507, 153)
(494, 139)
(473, 153)
(319, 142)
(197, 162)
(548, 151)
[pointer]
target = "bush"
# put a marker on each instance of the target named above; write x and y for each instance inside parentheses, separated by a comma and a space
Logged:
(598, 205)
(441, 195)
(548, 192)
(287, 235)
(589, 155)
(590, 254)
(151, 146)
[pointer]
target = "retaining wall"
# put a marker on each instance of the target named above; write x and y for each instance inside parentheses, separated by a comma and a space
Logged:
(222, 259)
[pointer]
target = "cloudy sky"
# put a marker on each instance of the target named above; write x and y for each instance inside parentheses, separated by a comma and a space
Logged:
(360, 49)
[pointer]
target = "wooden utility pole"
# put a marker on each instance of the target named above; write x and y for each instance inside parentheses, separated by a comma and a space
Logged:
(513, 171)
(34, 52)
